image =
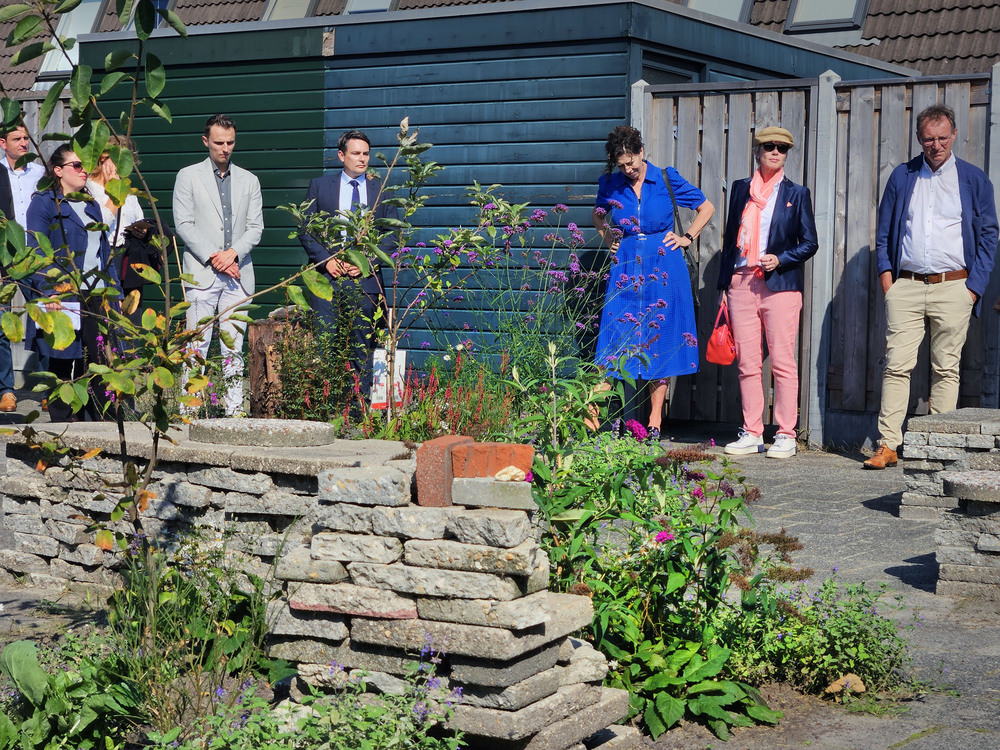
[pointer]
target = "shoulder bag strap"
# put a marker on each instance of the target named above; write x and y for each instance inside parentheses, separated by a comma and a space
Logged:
(673, 200)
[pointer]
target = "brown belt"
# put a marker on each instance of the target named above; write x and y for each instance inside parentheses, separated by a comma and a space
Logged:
(935, 278)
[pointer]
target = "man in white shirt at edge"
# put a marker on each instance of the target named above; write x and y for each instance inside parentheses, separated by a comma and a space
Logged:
(23, 180)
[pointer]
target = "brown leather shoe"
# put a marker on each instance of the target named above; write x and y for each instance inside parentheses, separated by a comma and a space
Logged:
(8, 402)
(883, 457)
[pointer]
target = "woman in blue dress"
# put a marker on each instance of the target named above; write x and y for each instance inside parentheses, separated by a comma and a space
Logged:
(648, 313)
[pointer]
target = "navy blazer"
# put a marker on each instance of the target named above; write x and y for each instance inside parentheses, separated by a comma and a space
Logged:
(792, 236)
(325, 193)
(979, 222)
(68, 235)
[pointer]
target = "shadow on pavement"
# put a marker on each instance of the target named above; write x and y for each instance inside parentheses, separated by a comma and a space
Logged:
(886, 503)
(921, 573)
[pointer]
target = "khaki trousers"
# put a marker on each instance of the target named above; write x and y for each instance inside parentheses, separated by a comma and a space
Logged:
(947, 307)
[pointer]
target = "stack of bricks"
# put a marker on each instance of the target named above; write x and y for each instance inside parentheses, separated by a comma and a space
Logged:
(937, 444)
(460, 570)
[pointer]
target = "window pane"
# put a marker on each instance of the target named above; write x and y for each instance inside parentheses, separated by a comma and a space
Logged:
(817, 11)
(78, 21)
(279, 10)
(366, 6)
(731, 9)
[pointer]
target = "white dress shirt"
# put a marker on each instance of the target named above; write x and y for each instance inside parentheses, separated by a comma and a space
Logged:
(347, 190)
(22, 186)
(932, 236)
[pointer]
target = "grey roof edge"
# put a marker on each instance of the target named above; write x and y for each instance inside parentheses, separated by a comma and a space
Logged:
(512, 7)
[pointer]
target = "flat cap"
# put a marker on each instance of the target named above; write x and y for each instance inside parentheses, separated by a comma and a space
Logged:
(773, 134)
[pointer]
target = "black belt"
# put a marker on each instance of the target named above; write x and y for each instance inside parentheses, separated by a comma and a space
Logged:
(935, 278)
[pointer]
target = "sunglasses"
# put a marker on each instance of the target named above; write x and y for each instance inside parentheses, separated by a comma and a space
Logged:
(782, 147)
(77, 165)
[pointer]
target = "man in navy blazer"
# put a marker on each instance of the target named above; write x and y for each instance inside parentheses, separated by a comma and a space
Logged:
(8, 402)
(936, 241)
(340, 192)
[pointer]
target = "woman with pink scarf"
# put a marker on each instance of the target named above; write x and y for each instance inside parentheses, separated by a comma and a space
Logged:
(770, 234)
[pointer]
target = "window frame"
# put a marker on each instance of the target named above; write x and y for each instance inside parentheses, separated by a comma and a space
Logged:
(856, 21)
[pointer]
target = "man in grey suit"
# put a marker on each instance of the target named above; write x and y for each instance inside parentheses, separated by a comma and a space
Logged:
(218, 213)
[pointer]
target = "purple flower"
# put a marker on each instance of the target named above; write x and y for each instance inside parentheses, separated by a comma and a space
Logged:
(690, 339)
(560, 208)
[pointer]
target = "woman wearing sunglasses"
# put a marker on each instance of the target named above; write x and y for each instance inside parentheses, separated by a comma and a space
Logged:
(62, 215)
(770, 233)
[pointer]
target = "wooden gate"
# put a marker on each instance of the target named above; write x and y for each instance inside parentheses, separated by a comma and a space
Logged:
(848, 136)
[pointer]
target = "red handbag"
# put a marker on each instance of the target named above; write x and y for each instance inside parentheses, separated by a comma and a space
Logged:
(721, 349)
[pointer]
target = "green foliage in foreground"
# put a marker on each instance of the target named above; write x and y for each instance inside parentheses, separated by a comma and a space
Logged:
(812, 639)
(347, 718)
(79, 704)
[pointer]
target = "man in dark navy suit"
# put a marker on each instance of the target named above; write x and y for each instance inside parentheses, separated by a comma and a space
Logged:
(340, 192)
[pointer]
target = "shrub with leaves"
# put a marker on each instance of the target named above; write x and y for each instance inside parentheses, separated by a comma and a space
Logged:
(812, 639)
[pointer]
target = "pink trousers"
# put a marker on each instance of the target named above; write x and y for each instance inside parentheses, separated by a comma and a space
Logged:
(753, 306)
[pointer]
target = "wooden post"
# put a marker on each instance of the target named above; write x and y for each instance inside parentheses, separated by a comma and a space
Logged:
(825, 208)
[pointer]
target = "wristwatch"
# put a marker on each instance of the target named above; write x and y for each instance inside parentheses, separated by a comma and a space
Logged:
(689, 236)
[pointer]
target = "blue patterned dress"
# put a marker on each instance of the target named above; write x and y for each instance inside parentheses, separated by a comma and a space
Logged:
(648, 310)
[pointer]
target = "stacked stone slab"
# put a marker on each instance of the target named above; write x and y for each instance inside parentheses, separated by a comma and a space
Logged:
(384, 578)
(968, 539)
(937, 444)
(369, 576)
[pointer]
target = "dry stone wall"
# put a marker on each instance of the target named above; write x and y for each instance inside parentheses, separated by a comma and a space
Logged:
(369, 576)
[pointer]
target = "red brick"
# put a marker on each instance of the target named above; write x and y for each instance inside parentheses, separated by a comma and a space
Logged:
(434, 470)
(471, 460)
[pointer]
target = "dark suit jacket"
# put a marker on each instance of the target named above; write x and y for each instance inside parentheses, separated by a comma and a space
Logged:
(325, 193)
(979, 222)
(792, 236)
(6, 196)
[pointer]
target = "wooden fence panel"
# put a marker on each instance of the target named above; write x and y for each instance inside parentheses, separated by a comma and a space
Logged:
(875, 133)
(708, 392)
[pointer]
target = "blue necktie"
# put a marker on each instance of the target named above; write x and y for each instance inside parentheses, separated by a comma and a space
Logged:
(355, 194)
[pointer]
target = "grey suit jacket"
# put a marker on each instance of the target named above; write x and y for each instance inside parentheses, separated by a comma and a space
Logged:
(198, 220)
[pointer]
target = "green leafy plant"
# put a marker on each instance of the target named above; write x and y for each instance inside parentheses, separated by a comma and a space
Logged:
(81, 703)
(348, 718)
(812, 639)
(205, 632)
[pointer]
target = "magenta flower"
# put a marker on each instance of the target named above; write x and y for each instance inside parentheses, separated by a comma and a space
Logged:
(637, 430)
(664, 536)
(529, 477)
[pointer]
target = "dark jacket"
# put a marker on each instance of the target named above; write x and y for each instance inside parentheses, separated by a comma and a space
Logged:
(792, 235)
(68, 235)
(325, 193)
(979, 222)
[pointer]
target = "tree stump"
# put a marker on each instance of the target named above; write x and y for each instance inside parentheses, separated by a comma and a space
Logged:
(265, 342)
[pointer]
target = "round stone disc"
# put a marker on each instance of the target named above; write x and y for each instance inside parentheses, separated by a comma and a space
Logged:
(288, 433)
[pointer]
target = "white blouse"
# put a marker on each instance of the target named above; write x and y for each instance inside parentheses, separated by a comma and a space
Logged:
(131, 212)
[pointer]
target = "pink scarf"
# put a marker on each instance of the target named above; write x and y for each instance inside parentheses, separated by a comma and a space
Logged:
(748, 239)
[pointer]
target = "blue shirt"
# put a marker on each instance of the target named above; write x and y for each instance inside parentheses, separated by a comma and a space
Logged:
(656, 213)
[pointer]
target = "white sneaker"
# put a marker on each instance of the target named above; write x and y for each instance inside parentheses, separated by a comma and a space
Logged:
(782, 447)
(745, 444)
